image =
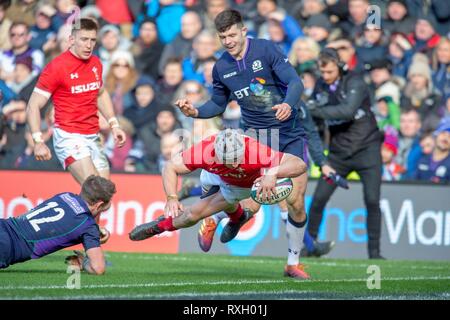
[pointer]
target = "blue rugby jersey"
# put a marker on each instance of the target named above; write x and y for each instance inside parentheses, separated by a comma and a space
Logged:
(257, 82)
(59, 222)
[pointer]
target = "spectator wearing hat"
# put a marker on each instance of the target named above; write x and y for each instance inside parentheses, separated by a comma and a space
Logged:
(441, 67)
(353, 26)
(424, 38)
(147, 49)
(111, 41)
(20, 38)
(5, 24)
(302, 10)
(400, 54)
(121, 79)
(145, 106)
(398, 19)
(319, 27)
(181, 46)
(22, 75)
(420, 94)
(392, 171)
(43, 35)
(435, 167)
(383, 81)
(372, 45)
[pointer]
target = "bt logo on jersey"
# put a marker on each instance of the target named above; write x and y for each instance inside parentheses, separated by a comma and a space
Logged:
(86, 87)
(242, 93)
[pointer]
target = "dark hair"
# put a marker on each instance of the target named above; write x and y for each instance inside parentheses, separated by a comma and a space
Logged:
(5, 4)
(227, 18)
(96, 188)
(84, 24)
(329, 55)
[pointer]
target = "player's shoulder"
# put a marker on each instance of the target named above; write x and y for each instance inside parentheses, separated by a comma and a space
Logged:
(262, 44)
(72, 201)
(95, 59)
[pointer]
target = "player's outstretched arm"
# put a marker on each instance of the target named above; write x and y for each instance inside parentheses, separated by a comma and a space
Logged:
(35, 104)
(170, 172)
(187, 108)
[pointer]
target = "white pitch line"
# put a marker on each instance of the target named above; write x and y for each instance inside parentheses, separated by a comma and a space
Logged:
(219, 283)
(261, 261)
(284, 295)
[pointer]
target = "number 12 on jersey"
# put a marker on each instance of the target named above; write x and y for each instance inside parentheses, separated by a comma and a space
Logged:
(36, 222)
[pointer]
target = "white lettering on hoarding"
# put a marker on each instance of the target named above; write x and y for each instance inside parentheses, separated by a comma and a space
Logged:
(406, 212)
(414, 228)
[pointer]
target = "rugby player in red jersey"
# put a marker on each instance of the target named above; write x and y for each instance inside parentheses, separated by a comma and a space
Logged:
(230, 163)
(74, 82)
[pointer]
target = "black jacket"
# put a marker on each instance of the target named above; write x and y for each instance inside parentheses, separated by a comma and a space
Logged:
(347, 112)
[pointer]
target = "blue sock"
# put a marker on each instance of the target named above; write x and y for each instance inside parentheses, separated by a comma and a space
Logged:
(196, 192)
(308, 241)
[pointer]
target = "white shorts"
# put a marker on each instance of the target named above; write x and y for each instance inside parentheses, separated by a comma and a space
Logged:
(70, 147)
(232, 194)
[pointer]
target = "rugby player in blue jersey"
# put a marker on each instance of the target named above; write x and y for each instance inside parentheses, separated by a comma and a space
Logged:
(62, 221)
(256, 74)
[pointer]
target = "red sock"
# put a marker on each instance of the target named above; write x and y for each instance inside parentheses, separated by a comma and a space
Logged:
(166, 224)
(236, 215)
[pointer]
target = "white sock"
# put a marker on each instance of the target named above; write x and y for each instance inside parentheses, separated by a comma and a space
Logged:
(219, 216)
(283, 215)
(295, 239)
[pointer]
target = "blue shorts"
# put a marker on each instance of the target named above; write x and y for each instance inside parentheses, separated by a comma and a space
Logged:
(5, 245)
(295, 146)
(288, 141)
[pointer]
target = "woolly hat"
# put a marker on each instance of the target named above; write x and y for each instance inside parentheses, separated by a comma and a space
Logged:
(420, 65)
(26, 61)
(391, 139)
(444, 125)
(125, 55)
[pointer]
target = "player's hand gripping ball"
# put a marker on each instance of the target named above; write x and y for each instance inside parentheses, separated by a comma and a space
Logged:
(104, 235)
(283, 189)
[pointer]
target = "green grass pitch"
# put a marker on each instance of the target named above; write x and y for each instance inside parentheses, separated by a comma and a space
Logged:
(205, 276)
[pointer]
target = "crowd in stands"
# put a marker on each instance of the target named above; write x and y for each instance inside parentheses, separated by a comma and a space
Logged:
(156, 51)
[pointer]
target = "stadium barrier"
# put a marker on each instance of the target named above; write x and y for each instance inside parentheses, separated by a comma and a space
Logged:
(416, 218)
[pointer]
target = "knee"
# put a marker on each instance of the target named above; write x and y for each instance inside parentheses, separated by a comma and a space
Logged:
(297, 209)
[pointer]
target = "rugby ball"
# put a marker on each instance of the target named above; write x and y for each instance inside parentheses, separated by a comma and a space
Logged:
(283, 188)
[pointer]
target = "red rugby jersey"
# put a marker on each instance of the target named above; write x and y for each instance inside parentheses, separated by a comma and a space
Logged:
(257, 156)
(74, 85)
